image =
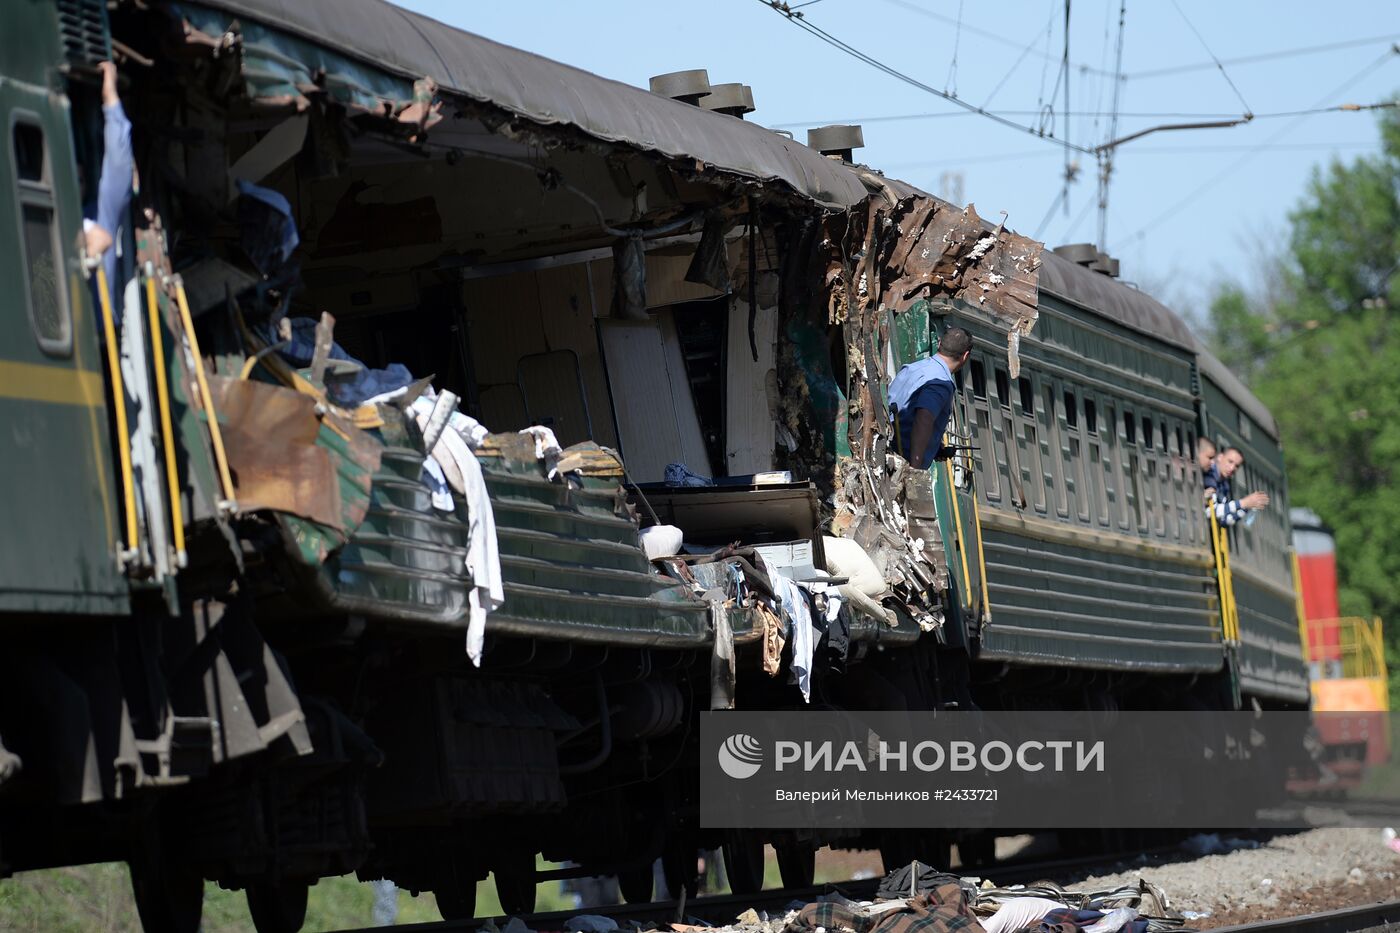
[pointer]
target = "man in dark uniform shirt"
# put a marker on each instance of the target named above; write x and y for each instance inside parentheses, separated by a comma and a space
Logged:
(921, 399)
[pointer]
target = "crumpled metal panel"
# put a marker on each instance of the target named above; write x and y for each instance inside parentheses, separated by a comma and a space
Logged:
(885, 262)
(570, 555)
(344, 36)
(943, 251)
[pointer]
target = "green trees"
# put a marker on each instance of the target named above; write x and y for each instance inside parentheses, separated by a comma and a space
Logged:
(1323, 352)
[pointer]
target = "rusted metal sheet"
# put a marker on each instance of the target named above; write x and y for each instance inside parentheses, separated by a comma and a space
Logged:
(889, 258)
(270, 435)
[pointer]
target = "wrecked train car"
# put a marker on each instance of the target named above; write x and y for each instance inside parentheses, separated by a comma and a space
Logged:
(447, 427)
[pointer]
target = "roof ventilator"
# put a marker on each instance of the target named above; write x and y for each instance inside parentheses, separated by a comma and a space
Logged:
(1090, 257)
(685, 86)
(836, 141)
(733, 99)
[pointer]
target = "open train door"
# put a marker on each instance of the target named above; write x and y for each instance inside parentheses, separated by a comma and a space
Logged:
(916, 333)
(956, 492)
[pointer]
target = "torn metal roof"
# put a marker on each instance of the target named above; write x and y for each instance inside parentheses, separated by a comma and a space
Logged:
(544, 91)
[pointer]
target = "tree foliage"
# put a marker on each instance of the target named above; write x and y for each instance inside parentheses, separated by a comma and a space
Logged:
(1324, 354)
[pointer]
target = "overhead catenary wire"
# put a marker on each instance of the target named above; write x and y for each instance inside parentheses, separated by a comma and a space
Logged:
(1224, 173)
(799, 20)
(1106, 155)
(1146, 115)
(988, 34)
(1260, 57)
(1213, 57)
(1019, 60)
(1349, 146)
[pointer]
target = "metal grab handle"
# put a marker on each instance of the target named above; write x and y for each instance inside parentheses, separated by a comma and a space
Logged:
(216, 434)
(109, 333)
(167, 431)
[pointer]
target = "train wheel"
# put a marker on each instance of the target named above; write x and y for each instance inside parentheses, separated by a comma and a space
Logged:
(636, 884)
(456, 902)
(454, 887)
(977, 850)
(515, 883)
(278, 906)
(169, 897)
(743, 861)
(680, 867)
(797, 864)
(900, 847)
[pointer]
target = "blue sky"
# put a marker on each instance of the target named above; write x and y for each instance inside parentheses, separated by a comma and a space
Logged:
(1187, 208)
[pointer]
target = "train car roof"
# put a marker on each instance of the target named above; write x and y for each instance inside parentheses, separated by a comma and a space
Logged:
(550, 93)
(1134, 309)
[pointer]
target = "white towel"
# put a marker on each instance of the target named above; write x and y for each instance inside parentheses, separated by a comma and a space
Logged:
(457, 462)
(803, 633)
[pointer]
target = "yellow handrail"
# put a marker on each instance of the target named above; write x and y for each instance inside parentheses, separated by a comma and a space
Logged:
(109, 333)
(957, 530)
(216, 435)
(1229, 622)
(981, 559)
(167, 431)
(1298, 602)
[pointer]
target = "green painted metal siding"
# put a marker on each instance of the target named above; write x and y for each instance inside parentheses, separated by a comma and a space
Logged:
(1270, 655)
(1095, 542)
(573, 567)
(58, 553)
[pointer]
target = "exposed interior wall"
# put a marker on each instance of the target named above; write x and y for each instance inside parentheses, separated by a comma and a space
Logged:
(536, 336)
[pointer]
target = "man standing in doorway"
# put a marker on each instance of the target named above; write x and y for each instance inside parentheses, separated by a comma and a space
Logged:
(921, 399)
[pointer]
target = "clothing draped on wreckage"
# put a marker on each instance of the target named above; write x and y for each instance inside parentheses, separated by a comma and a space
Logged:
(943, 909)
(454, 460)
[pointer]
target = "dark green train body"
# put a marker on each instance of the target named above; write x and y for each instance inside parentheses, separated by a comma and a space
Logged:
(290, 695)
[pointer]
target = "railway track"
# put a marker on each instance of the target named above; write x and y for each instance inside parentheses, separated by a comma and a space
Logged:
(723, 908)
(1372, 917)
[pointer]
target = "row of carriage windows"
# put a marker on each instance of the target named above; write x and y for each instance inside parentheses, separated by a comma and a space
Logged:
(1061, 450)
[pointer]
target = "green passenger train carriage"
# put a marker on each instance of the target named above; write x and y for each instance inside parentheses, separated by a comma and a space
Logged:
(1097, 548)
(190, 709)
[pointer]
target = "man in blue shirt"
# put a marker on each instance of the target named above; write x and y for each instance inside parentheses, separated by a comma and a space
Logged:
(104, 217)
(921, 399)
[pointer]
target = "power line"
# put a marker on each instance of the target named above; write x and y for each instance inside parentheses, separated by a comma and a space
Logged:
(980, 158)
(985, 33)
(951, 85)
(801, 21)
(1164, 115)
(1213, 57)
(1019, 59)
(1106, 155)
(1261, 57)
(1250, 154)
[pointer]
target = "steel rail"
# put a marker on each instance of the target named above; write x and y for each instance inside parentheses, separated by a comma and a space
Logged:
(723, 908)
(1345, 920)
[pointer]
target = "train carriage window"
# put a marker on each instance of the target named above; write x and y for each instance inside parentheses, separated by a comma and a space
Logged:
(1027, 398)
(1071, 410)
(1054, 459)
(1003, 388)
(1091, 417)
(1246, 428)
(46, 296)
(979, 380)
